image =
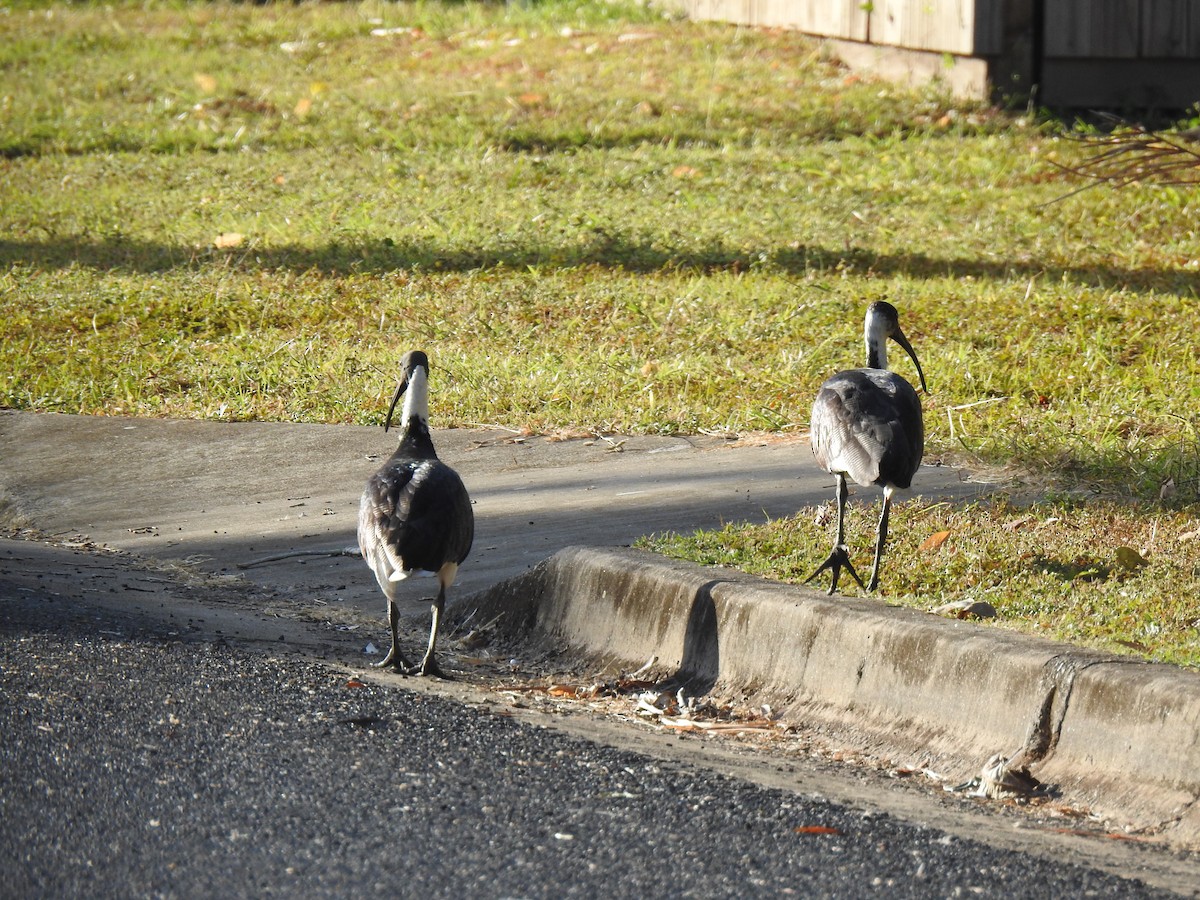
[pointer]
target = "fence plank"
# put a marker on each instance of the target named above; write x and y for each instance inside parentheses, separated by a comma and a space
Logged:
(946, 26)
(1170, 28)
(843, 19)
(1092, 29)
(829, 18)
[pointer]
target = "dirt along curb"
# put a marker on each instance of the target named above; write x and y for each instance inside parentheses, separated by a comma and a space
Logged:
(1118, 736)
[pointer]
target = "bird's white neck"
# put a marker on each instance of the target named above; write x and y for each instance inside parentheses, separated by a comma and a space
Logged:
(416, 397)
(875, 337)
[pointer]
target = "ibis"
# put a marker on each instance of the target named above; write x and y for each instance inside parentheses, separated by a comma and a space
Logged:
(867, 425)
(415, 516)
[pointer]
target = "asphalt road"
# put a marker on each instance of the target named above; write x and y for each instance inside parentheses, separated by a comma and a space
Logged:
(140, 761)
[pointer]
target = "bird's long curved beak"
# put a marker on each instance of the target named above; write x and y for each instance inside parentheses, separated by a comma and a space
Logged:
(899, 338)
(400, 389)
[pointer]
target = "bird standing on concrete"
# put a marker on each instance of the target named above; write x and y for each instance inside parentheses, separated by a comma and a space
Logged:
(867, 424)
(415, 516)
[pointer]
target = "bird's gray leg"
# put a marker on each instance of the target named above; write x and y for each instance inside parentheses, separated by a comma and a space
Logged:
(394, 657)
(883, 528)
(429, 664)
(839, 556)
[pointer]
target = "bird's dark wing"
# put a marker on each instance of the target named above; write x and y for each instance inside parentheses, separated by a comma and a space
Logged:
(417, 514)
(868, 424)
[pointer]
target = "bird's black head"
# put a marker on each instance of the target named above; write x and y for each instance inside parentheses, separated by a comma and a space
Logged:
(411, 362)
(885, 311)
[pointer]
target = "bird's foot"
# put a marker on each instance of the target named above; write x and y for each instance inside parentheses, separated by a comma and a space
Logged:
(430, 668)
(838, 559)
(396, 663)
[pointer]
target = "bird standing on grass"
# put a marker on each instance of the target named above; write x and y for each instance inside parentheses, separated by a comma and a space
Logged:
(415, 517)
(867, 424)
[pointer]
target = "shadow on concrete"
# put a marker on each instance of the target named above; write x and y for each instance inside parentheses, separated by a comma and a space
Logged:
(222, 497)
(701, 662)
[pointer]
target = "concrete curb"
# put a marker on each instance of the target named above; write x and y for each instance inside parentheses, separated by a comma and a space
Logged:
(1119, 736)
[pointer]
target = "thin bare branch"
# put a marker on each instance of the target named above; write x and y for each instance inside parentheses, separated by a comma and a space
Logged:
(1132, 153)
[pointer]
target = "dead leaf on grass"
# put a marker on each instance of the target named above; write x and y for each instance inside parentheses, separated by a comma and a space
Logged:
(934, 541)
(228, 240)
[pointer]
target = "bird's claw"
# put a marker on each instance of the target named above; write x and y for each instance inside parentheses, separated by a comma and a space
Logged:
(432, 671)
(396, 663)
(838, 559)
(427, 668)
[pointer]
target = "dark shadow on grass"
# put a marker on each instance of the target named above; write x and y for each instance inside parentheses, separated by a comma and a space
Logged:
(631, 254)
(511, 140)
(1073, 570)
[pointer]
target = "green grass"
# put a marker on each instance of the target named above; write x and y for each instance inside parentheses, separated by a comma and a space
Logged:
(592, 217)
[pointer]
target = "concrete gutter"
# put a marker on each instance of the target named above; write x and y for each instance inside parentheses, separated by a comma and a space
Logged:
(1118, 736)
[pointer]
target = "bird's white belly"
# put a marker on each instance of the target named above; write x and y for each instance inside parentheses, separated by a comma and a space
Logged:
(402, 574)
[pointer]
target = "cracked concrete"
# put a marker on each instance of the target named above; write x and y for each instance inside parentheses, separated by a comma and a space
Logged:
(1058, 677)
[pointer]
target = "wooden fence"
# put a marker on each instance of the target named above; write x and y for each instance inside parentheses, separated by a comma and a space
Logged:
(1089, 53)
